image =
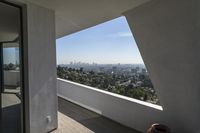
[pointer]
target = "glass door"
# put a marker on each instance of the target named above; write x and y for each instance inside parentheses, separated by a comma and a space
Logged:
(10, 70)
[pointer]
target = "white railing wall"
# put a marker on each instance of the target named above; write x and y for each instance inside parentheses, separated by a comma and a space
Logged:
(11, 78)
(127, 111)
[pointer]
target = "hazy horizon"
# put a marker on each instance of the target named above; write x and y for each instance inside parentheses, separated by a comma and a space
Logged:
(103, 63)
(108, 43)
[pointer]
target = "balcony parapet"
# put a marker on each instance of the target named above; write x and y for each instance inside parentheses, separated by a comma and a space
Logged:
(127, 111)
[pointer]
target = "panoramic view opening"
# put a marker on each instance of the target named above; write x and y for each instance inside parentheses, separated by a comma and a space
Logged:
(106, 57)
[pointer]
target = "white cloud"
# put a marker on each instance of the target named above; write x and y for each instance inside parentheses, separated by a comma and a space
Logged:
(125, 34)
(121, 34)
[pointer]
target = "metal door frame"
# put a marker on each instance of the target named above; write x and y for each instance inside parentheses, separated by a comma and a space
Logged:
(21, 56)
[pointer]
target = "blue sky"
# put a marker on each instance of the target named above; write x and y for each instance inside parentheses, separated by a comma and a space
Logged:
(107, 43)
(10, 55)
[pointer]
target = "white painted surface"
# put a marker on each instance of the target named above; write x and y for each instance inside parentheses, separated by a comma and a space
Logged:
(167, 33)
(41, 54)
(127, 111)
(75, 15)
(80, 104)
(11, 78)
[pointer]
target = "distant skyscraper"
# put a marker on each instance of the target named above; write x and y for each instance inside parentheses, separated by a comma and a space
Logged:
(137, 69)
(133, 70)
(144, 71)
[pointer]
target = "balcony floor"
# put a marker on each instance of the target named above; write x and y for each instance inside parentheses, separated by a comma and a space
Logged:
(71, 119)
(10, 122)
(75, 119)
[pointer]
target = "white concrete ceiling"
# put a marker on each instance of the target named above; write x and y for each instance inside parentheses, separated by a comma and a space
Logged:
(9, 23)
(75, 15)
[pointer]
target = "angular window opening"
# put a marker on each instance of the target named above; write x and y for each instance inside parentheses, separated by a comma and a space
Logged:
(106, 57)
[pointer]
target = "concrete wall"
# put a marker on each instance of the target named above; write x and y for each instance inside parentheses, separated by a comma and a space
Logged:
(167, 33)
(127, 111)
(11, 78)
(40, 54)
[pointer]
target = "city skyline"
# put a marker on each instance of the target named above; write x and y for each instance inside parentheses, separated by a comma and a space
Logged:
(108, 43)
(80, 62)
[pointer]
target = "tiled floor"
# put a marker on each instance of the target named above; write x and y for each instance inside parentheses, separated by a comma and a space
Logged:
(75, 119)
(71, 119)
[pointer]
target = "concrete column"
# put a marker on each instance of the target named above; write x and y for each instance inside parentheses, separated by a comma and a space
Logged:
(40, 57)
(167, 33)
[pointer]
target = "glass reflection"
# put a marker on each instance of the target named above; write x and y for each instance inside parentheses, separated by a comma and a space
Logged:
(10, 70)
